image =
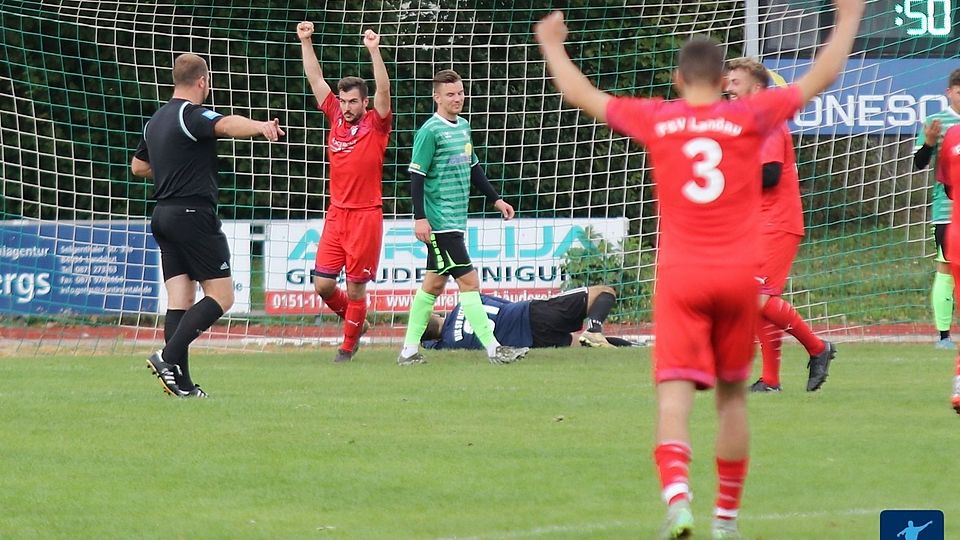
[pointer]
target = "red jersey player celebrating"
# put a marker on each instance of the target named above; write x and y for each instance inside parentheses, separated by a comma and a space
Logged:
(781, 231)
(948, 168)
(705, 166)
(353, 227)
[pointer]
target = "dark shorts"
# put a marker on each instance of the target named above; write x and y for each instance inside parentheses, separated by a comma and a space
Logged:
(190, 241)
(940, 239)
(447, 255)
(554, 319)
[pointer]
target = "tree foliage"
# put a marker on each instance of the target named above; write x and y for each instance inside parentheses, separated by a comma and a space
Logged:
(78, 81)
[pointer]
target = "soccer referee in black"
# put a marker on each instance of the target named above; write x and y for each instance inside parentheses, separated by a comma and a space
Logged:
(179, 151)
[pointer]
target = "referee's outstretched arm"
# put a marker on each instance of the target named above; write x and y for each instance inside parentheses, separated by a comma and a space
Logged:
(241, 127)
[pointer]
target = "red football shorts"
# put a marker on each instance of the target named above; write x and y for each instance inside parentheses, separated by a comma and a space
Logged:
(953, 247)
(951, 242)
(704, 324)
(351, 239)
(778, 250)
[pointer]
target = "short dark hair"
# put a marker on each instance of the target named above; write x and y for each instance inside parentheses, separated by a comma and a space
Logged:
(433, 329)
(187, 68)
(753, 67)
(444, 77)
(954, 78)
(347, 84)
(701, 61)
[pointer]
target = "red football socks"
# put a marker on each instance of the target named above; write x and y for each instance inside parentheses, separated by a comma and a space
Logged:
(673, 463)
(781, 313)
(730, 478)
(771, 338)
(337, 302)
(353, 323)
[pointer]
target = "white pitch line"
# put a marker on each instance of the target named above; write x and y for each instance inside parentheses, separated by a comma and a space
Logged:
(805, 515)
(591, 527)
(548, 529)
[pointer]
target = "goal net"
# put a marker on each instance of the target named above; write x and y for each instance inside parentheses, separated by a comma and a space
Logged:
(79, 79)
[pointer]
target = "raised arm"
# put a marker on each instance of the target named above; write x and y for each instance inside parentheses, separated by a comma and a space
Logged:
(381, 100)
(311, 66)
(833, 55)
(577, 90)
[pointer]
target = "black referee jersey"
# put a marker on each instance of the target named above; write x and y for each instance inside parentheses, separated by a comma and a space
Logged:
(180, 145)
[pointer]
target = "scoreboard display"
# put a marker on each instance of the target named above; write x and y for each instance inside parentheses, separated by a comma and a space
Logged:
(896, 76)
(909, 29)
(908, 19)
(888, 29)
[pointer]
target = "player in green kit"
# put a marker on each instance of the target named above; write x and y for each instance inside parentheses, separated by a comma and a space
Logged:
(927, 148)
(441, 171)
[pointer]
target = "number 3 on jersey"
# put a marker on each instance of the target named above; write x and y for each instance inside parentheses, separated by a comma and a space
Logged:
(706, 154)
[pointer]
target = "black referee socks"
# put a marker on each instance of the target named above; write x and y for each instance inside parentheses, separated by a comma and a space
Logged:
(196, 319)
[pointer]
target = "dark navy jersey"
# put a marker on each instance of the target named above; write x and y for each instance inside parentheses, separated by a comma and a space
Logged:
(181, 147)
(511, 325)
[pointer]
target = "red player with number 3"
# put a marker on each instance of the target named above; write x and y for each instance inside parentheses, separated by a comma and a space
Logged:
(706, 163)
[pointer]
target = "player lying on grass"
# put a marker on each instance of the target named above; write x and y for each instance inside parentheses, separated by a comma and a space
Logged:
(553, 322)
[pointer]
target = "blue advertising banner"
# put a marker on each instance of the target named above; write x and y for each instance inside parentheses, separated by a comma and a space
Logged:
(878, 97)
(78, 268)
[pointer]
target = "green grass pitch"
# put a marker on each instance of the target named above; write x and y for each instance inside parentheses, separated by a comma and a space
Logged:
(559, 446)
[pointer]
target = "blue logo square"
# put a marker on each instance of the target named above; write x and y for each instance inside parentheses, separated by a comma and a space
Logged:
(911, 525)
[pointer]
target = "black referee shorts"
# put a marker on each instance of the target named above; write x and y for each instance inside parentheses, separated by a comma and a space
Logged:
(554, 319)
(191, 241)
(447, 255)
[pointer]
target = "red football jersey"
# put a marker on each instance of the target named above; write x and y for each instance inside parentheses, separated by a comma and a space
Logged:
(356, 154)
(948, 172)
(948, 162)
(780, 207)
(706, 170)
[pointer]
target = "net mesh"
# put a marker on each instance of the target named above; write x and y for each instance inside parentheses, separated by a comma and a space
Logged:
(79, 79)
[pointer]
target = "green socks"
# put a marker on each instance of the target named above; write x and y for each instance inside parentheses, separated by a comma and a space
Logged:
(422, 308)
(941, 299)
(419, 316)
(477, 317)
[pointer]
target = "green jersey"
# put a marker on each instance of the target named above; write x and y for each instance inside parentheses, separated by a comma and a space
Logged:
(941, 205)
(443, 153)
